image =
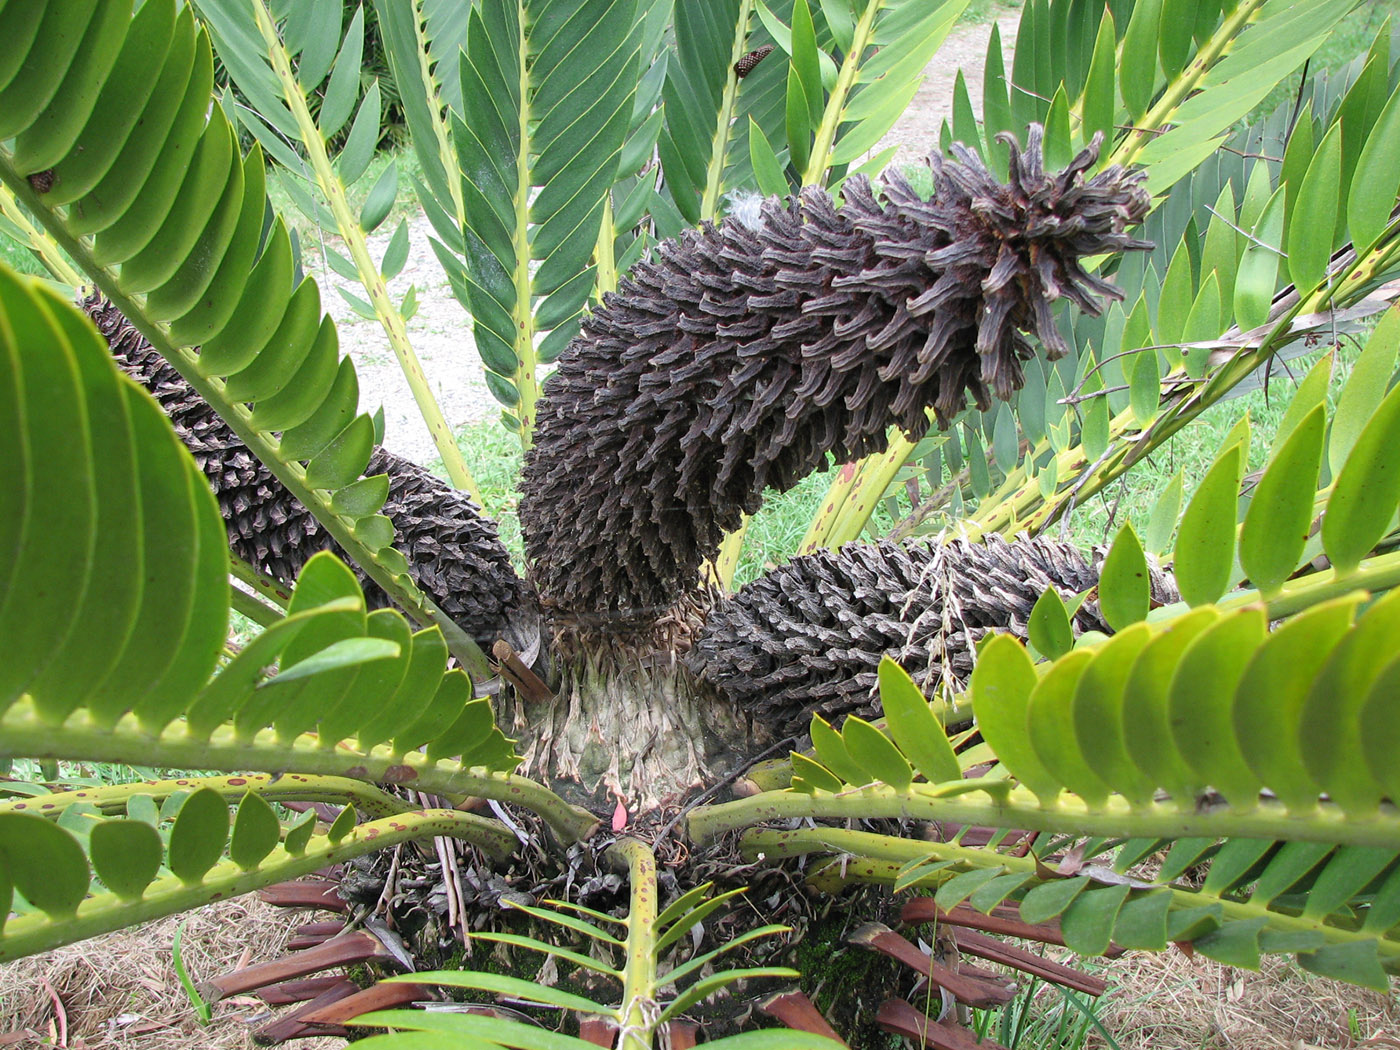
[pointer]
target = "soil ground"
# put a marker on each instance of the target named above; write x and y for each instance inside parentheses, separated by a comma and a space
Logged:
(120, 993)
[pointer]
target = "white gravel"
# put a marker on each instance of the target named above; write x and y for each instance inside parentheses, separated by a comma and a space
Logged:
(441, 332)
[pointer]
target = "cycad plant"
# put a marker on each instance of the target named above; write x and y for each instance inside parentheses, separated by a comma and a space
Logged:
(1099, 259)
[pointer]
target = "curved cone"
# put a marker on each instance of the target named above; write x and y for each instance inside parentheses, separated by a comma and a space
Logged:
(739, 356)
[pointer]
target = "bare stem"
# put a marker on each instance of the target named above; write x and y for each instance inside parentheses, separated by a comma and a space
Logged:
(24, 734)
(1268, 820)
(640, 1010)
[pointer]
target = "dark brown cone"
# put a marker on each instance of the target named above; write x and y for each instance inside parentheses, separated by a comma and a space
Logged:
(809, 635)
(454, 551)
(739, 356)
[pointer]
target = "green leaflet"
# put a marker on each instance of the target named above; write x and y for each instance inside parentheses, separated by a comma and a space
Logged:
(1177, 295)
(1330, 725)
(1258, 271)
(875, 753)
(1124, 585)
(1049, 628)
(126, 856)
(804, 84)
(809, 776)
(198, 836)
(1380, 725)
(142, 617)
(1050, 714)
(1141, 367)
(833, 753)
(1376, 179)
(767, 169)
(1139, 57)
(1198, 705)
(1367, 489)
(1280, 513)
(1270, 698)
(1223, 245)
(255, 832)
(1364, 390)
(1097, 102)
(513, 986)
(913, 726)
(1100, 710)
(1205, 542)
(1203, 323)
(1001, 686)
(1162, 522)
(1315, 215)
(42, 862)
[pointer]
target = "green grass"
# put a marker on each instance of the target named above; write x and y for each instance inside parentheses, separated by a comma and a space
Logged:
(1045, 1017)
(1353, 36)
(18, 257)
(494, 456)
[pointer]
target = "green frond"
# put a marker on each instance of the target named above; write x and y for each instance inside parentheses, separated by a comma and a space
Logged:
(290, 787)
(639, 1006)
(170, 227)
(116, 605)
(88, 874)
(281, 71)
(1334, 909)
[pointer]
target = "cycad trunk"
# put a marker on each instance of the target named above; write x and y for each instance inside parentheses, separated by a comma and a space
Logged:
(629, 721)
(643, 731)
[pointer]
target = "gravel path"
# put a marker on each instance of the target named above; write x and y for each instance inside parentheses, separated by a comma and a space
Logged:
(441, 334)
